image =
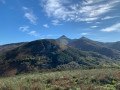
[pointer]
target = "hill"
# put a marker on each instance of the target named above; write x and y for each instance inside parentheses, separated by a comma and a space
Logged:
(7, 47)
(113, 45)
(49, 54)
(86, 44)
(30, 56)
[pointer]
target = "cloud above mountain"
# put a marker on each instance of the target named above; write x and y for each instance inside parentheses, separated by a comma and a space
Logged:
(115, 27)
(78, 10)
(110, 17)
(30, 15)
(33, 33)
(24, 28)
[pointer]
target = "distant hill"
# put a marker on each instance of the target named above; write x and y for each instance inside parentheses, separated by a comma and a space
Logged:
(86, 44)
(113, 45)
(64, 40)
(48, 54)
(4, 48)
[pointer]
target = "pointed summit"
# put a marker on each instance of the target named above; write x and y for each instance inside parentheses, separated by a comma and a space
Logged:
(83, 37)
(63, 36)
(63, 40)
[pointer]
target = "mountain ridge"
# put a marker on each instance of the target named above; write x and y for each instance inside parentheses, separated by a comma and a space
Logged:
(49, 54)
(86, 44)
(58, 53)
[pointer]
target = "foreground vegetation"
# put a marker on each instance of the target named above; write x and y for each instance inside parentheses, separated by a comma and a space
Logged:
(94, 79)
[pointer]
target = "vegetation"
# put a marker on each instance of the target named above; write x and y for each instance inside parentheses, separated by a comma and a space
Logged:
(86, 44)
(49, 54)
(92, 79)
(7, 47)
(79, 64)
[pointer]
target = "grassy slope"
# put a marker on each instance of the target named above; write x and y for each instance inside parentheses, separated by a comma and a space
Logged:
(94, 79)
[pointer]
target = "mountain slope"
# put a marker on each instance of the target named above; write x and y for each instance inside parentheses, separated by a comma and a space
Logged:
(30, 57)
(86, 44)
(48, 54)
(8, 47)
(34, 48)
(113, 45)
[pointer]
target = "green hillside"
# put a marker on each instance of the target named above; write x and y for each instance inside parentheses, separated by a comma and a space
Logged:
(48, 54)
(86, 44)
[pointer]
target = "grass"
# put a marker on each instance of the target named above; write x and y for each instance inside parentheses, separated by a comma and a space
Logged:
(94, 79)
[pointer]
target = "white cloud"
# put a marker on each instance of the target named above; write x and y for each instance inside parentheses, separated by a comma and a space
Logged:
(87, 19)
(3, 1)
(46, 26)
(25, 8)
(86, 10)
(109, 17)
(30, 15)
(24, 28)
(88, 2)
(115, 27)
(33, 33)
(27, 29)
(56, 22)
(84, 34)
(94, 26)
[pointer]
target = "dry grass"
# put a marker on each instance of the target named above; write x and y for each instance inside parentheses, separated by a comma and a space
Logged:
(94, 79)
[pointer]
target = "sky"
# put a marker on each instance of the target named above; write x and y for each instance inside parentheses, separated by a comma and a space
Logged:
(28, 20)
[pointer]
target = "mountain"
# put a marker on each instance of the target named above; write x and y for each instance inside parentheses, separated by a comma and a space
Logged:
(30, 56)
(48, 54)
(67, 41)
(8, 47)
(64, 40)
(86, 44)
(34, 48)
(113, 45)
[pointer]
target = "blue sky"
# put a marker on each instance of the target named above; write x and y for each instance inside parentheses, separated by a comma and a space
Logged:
(27, 20)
